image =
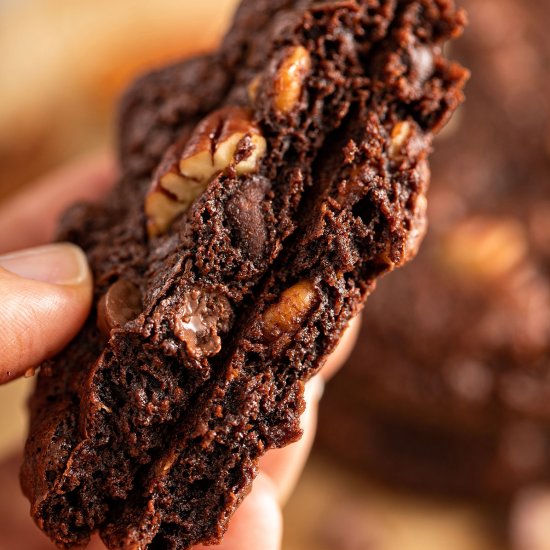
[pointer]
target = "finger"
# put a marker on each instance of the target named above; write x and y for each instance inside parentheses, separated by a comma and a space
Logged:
(96, 544)
(30, 218)
(343, 350)
(530, 519)
(258, 521)
(256, 524)
(45, 296)
(284, 466)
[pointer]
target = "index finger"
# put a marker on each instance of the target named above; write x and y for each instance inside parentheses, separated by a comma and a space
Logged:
(30, 217)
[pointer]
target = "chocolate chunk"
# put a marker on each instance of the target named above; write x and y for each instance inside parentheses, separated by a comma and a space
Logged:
(245, 213)
(120, 304)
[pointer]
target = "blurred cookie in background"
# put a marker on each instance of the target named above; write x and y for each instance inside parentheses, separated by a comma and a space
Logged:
(449, 388)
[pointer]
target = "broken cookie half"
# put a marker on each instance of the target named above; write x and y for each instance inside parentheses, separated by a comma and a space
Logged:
(286, 184)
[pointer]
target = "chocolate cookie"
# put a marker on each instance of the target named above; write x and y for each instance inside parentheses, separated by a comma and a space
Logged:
(266, 188)
(449, 388)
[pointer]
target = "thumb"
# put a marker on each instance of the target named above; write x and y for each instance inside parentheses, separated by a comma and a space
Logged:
(45, 296)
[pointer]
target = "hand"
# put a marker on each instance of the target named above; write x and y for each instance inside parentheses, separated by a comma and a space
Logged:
(46, 291)
(46, 295)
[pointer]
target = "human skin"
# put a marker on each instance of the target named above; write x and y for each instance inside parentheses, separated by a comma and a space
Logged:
(45, 294)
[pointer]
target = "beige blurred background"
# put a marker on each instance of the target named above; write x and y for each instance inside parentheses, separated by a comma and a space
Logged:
(63, 63)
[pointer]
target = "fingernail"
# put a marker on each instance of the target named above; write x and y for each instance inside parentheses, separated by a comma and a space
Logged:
(59, 264)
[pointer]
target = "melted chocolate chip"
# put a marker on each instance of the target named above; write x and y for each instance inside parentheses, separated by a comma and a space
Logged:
(199, 321)
(118, 306)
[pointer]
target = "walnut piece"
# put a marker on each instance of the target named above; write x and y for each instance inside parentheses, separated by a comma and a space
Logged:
(285, 316)
(290, 79)
(252, 88)
(214, 143)
(227, 137)
(400, 134)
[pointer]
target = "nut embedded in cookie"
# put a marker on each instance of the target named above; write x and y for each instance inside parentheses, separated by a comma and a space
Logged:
(224, 138)
(290, 79)
(252, 89)
(400, 134)
(285, 316)
(215, 143)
